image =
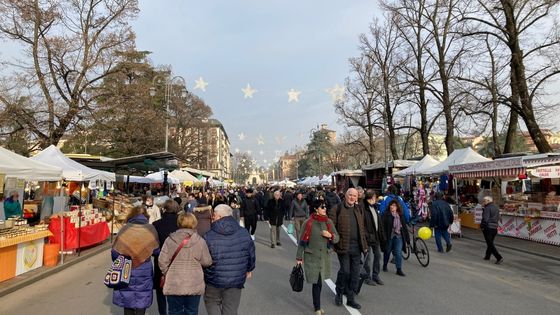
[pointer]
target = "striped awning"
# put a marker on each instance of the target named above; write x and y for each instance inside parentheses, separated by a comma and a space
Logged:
(509, 172)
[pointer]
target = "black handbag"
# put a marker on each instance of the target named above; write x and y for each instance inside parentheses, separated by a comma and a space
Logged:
(296, 278)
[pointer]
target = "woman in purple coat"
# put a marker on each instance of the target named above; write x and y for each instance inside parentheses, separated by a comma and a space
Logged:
(138, 240)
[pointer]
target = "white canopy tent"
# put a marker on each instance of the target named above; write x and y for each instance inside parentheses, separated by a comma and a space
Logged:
(184, 176)
(286, 183)
(158, 178)
(325, 180)
(15, 165)
(139, 179)
(460, 156)
(427, 162)
(71, 170)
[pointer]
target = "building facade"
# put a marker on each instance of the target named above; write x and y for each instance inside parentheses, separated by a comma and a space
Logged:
(288, 166)
(217, 148)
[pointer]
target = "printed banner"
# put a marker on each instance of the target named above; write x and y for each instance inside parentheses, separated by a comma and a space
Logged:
(29, 256)
(547, 172)
(535, 229)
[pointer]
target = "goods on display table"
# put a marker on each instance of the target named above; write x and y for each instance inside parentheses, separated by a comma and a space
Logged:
(532, 216)
(79, 231)
(21, 247)
(120, 206)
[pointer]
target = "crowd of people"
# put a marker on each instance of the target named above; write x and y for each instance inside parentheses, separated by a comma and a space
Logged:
(203, 243)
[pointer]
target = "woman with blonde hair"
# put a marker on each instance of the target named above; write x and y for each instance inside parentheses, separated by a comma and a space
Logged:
(181, 260)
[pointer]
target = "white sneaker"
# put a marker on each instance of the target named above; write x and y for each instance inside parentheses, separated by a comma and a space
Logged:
(253, 237)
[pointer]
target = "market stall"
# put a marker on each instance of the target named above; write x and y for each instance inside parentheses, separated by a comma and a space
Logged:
(527, 190)
(345, 179)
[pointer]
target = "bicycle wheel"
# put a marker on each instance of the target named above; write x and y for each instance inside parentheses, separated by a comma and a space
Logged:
(406, 254)
(422, 253)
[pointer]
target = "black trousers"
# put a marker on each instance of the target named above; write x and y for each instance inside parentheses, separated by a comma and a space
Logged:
(161, 301)
(348, 277)
(134, 311)
(489, 235)
(316, 291)
(251, 223)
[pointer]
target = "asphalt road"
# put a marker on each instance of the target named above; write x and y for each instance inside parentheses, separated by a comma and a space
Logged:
(459, 282)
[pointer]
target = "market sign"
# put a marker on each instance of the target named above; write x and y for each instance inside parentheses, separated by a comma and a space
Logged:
(547, 172)
(511, 163)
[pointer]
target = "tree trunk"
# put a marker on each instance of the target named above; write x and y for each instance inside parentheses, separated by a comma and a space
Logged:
(518, 78)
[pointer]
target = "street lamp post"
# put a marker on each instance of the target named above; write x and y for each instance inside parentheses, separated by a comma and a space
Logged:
(168, 82)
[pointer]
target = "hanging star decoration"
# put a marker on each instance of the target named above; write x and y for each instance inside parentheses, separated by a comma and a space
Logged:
(201, 84)
(301, 135)
(236, 150)
(261, 152)
(293, 95)
(260, 140)
(265, 161)
(337, 93)
(248, 91)
(241, 136)
(249, 152)
(280, 140)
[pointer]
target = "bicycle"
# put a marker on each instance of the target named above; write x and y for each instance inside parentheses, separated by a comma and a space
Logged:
(418, 247)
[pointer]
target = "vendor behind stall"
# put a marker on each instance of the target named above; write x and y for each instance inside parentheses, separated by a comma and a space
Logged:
(12, 207)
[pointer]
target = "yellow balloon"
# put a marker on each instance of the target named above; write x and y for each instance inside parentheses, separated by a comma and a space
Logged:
(425, 233)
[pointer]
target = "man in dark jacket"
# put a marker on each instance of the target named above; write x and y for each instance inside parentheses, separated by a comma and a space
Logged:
(165, 226)
(288, 197)
(375, 239)
(332, 198)
(249, 209)
(441, 216)
(489, 226)
(275, 211)
(233, 260)
(348, 219)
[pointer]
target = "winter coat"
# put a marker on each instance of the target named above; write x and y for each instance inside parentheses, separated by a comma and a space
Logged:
(299, 209)
(332, 199)
(12, 208)
(288, 197)
(154, 213)
(490, 217)
(387, 220)
(374, 236)
(204, 216)
(138, 293)
(275, 211)
(184, 276)
(165, 226)
(340, 215)
(233, 254)
(316, 258)
(441, 215)
(249, 206)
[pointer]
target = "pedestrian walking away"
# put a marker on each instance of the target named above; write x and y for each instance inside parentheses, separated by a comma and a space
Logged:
(138, 240)
(348, 219)
(181, 260)
(315, 245)
(165, 226)
(249, 209)
(441, 216)
(489, 227)
(233, 261)
(375, 239)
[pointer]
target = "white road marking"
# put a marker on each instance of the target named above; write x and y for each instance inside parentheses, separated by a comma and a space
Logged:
(329, 282)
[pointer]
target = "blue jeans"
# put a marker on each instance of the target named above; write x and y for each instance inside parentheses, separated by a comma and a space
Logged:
(438, 234)
(394, 245)
(182, 304)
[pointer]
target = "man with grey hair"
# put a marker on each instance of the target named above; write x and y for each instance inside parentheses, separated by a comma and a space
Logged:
(275, 211)
(489, 227)
(233, 260)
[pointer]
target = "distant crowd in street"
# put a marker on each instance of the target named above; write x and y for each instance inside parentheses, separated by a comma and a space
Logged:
(204, 242)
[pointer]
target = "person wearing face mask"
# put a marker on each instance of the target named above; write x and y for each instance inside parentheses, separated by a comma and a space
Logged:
(152, 210)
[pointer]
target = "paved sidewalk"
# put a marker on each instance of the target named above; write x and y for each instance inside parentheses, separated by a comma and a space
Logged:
(529, 247)
(9, 286)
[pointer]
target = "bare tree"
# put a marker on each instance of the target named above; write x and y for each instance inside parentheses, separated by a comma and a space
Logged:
(67, 47)
(518, 26)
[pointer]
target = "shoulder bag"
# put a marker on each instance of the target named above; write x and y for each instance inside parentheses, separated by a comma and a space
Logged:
(183, 243)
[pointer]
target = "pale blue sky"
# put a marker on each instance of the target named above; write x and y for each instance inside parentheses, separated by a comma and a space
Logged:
(274, 45)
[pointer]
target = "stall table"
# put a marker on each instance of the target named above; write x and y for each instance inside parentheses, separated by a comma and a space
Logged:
(90, 234)
(21, 254)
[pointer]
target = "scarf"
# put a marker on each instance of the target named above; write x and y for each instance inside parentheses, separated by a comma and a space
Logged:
(396, 223)
(304, 241)
(137, 241)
